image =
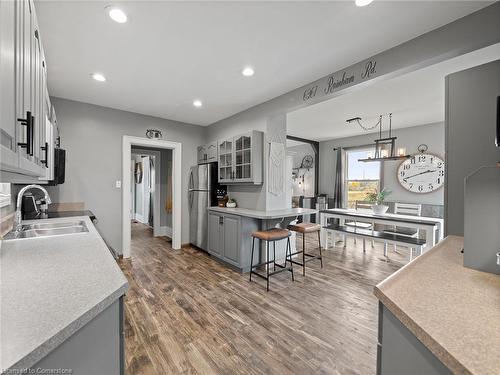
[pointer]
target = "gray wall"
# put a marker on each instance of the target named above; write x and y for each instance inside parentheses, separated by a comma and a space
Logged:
(432, 135)
(92, 136)
(470, 133)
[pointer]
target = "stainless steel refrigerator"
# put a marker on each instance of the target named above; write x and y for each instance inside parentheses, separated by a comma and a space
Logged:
(202, 194)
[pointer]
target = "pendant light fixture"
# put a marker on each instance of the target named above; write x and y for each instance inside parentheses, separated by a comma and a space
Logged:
(384, 148)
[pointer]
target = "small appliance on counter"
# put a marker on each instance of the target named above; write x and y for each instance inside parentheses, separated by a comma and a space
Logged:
(222, 196)
(32, 208)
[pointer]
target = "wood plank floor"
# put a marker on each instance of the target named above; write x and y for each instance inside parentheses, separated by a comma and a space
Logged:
(187, 313)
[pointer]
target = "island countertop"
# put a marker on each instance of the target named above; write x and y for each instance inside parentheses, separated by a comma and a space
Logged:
(263, 214)
(50, 288)
(454, 311)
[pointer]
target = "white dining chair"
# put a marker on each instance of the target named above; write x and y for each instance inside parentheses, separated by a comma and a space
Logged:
(412, 209)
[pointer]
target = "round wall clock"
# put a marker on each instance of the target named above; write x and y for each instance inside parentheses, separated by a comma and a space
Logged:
(422, 173)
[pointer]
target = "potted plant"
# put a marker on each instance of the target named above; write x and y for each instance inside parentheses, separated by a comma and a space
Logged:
(231, 203)
(377, 200)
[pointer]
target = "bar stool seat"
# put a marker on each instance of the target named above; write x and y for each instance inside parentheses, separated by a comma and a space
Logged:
(305, 228)
(272, 235)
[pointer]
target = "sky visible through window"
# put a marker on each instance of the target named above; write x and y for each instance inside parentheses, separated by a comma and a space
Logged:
(361, 171)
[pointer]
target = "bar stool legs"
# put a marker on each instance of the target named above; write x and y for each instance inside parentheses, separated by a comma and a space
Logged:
(288, 256)
(271, 236)
(267, 265)
(303, 254)
(305, 228)
(320, 254)
(251, 259)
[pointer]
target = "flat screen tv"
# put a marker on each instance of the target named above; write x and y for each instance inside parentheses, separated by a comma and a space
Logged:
(498, 122)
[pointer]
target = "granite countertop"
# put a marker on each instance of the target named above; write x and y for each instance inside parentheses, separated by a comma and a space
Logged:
(264, 215)
(50, 288)
(454, 311)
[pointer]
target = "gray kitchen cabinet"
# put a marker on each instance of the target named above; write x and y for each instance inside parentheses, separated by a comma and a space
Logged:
(212, 152)
(202, 154)
(216, 233)
(400, 352)
(229, 238)
(232, 225)
(207, 153)
(96, 348)
(23, 128)
(9, 159)
(241, 158)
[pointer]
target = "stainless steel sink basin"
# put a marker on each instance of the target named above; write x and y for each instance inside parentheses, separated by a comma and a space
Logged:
(48, 229)
(61, 224)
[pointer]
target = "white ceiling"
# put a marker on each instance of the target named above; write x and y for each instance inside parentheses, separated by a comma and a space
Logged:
(416, 98)
(170, 53)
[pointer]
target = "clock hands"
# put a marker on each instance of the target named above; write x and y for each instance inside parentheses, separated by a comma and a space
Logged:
(418, 174)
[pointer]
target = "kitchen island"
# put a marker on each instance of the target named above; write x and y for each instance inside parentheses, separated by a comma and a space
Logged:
(438, 317)
(230, 229)
(61, 303)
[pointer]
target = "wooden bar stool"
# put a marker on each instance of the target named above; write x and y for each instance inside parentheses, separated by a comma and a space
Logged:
(272, 235)
(305, 228)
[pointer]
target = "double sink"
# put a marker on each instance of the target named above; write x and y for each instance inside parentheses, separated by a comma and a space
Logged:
(36, 230)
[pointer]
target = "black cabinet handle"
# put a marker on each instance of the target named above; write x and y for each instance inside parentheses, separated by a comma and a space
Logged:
(46, 160)
(31, 140)
(221, 220)
(28, 122)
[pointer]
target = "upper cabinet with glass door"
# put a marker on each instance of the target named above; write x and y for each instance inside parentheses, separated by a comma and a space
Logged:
(240, 158)
(225, 160)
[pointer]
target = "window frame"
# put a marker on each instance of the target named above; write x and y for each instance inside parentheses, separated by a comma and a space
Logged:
(367, 147)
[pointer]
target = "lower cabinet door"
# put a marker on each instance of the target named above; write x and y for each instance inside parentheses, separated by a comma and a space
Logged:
(215, 234)
(232, 239)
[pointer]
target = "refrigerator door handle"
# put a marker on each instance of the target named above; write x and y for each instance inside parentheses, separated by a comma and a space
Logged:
(190, 199)
(190, 185)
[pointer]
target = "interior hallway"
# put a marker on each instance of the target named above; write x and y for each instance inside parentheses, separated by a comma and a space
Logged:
(187, 313)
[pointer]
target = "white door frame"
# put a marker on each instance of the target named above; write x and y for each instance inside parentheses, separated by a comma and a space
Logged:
(157, 231)
(127, 143)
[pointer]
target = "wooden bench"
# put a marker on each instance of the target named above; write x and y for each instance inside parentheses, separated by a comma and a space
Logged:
(411, 242)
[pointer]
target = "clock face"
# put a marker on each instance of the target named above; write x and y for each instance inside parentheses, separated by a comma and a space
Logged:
(422, 173)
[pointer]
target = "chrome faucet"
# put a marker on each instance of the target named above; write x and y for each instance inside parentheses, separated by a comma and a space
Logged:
(18, 217)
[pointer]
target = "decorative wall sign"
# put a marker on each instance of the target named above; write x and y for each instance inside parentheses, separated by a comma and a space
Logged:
(276, 168)
(340, 80)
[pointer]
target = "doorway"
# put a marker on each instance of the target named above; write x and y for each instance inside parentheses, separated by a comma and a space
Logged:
(150, 175)
(135, 154)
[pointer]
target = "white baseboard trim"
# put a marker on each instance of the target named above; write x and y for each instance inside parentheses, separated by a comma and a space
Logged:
(164, 231)
(139, 218)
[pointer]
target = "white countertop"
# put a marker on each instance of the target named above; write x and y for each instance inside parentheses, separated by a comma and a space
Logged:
(265, 215)
(51, 287)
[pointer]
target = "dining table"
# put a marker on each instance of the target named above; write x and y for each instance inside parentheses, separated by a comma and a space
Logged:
(433, 226)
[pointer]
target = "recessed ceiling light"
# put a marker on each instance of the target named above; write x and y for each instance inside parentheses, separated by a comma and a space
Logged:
(362, 3)
(248, 71)
(98, 77)
(197, 103)
(116, 14)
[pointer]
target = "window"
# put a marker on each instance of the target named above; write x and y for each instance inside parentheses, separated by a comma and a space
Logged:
(5, 195)
(361, 178)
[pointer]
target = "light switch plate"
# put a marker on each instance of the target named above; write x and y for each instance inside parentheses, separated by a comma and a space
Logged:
(118, 184)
